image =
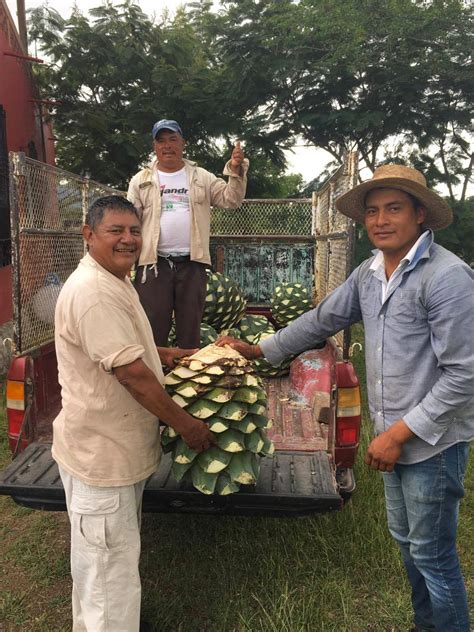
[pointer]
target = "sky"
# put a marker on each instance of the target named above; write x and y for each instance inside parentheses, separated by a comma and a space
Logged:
(307, 160)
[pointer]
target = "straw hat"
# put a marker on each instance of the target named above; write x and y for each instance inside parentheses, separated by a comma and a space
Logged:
(438, 213)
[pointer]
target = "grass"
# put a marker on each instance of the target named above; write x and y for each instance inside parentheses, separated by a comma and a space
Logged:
(336, 572)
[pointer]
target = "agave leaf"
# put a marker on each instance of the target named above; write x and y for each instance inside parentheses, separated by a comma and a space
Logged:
(214, 369)
(216, 424)
(203, 408)
(257, 409)
(202, 378)
(245, 426)
(183, 372)
(225, 485)
(182, 453)
(203, 481)
(268, 446)
(190, 390)
(236, 370)
(180, 469)
(214, 460)
(171, 379)
(220, 395)
(250, 379)
(233, 410)
(254, 442)
(259, 420)
(246, 394)
(181, 401)
(197, 366)
(231, 441)
(241, 468)
(229, 381)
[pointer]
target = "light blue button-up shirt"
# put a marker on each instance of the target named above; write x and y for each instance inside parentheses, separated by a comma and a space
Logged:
(419, 345)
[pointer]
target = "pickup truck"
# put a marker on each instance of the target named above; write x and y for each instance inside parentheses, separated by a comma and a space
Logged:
(316, 408)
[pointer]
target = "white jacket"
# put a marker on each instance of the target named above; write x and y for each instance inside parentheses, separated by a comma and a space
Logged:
(205, 190)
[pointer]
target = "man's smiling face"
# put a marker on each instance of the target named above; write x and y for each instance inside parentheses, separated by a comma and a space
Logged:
(115, 242)
(392, 220)
(169, 148)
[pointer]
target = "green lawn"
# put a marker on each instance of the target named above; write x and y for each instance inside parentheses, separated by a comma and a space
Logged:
(338, 572)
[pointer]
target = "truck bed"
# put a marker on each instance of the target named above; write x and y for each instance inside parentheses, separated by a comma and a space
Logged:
(300, 478)
(289, 484)
(294, 426)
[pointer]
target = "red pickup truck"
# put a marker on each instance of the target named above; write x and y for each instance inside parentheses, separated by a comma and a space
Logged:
(316, 409)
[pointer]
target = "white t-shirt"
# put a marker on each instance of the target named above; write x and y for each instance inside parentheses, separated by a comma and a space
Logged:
(175, 220)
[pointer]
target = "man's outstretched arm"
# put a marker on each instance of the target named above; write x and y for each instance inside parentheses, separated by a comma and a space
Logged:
(143, 386)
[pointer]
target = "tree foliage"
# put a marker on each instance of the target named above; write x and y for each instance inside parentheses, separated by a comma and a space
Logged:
(391, 79)
(357, 74)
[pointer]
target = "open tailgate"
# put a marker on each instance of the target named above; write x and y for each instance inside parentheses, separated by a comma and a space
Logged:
(289, 484)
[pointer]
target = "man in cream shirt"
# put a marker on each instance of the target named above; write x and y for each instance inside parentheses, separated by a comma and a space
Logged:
(106, 437)
(175, 197)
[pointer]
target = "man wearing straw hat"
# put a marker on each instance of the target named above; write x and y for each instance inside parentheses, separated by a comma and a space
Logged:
(416, 300)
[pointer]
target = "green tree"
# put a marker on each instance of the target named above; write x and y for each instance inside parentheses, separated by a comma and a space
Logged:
(459, 236)
(390, 79)
(360, 74)
(100, 74)
(116, 73)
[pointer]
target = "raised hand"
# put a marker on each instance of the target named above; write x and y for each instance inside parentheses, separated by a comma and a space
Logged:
(237, 158)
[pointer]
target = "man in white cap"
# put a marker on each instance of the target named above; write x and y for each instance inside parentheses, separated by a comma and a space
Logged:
(175, 197)
(416, 300)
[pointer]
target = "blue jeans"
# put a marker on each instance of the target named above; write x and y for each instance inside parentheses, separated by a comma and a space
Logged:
(422, 502)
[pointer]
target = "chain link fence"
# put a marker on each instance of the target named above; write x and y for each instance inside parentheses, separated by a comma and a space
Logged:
(264, 218)
(334, 235)
(48, 206)
(265, 242)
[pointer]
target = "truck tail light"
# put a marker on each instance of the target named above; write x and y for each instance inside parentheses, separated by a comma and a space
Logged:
(348, 415)
(19, 401)
(16, 405)
(347, 432)
(15, 395)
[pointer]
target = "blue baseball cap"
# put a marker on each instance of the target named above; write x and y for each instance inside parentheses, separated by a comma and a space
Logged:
(166, 124)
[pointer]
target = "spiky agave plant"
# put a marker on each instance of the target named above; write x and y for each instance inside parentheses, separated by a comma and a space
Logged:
(289, 301)
(219, 386)
(263, 366)
(253, 324)
(225, 302)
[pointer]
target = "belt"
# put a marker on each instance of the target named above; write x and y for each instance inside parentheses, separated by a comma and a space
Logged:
(176, 259)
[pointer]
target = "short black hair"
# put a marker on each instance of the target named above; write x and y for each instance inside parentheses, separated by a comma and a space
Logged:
(96, 211)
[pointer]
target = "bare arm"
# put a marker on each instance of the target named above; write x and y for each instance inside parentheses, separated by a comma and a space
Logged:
(143, 386)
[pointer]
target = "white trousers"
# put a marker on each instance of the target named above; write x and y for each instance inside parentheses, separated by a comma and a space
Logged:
(105, 550)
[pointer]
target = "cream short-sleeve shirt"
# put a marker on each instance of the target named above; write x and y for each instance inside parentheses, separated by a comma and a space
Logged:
(102, 435)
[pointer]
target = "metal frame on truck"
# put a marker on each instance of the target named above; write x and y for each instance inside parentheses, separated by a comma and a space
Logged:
(316, 409)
